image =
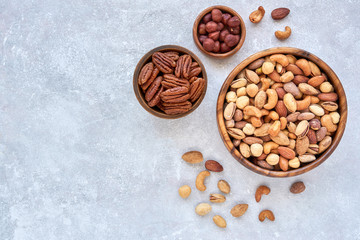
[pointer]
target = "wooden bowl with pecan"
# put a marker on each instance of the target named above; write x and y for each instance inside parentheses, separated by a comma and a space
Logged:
(170, 82)
(219, 31)
(281, 112)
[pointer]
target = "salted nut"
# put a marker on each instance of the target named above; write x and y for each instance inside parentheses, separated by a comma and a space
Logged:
(282, 35)
(260, 191)
(257, 15)
(199, 183)
(217, 198)
(266, 214)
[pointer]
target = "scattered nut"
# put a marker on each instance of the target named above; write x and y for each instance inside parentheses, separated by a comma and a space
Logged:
(202, 209)
(260, 191)
(219, 221)
(217, 198)
(283, 35)
(193, 157)
(280, 13)
(213, 166)
(224, 186)
(239, 210)
(297, 187)
(199, 183)
(266, 214)
(184, 191)
(257, 15)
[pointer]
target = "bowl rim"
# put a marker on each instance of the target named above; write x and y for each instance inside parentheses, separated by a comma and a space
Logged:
(332, 77)
(242, 33)
(140, 95)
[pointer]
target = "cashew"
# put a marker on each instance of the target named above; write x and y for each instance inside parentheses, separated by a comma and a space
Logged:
(304, 65)
(200, 180)
(268, 146)
(314, 99)
(261, 190)
(280, 58)
(256, 122)
(264, 112)
(272, 99)
(265, 84)
(283, 35)
(303, 104)
(283, 122)
(277, 85)
(274, 115)
(254, 111)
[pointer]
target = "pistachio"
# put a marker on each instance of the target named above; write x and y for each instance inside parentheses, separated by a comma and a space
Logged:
(236, 133)
(315, 124)
(217, 198)
(302, 129)
(313, 149)
(229, 111)
(305, 158)
(252, 76)
(329, 106)
(238, 83)
(325, 144)
(307, 89)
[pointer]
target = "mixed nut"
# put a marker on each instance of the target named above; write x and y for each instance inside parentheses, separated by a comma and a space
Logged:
(219, 31)
(202, 209)
(281, 112)
(171, 81)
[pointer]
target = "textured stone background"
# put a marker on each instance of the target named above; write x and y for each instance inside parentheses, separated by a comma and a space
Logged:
(81, 159)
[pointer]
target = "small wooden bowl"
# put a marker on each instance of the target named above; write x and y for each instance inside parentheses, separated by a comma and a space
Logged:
(141, 96)
(331, 77)
(223, 9)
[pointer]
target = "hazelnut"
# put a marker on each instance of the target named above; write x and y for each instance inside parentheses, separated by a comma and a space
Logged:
(225, 18)
(231, 40)
(224, 48)
(214, 35)
(220, 26)
(209, 44)
(233, 22)
(216, 47)
(223, 34)
(216, 15)
(202, 38)
(202, 28)
(211, 27)
(207, 18)
(235, 30)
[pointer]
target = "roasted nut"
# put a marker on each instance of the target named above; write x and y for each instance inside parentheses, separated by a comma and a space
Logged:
(242, 102)
(248, 129)
(256, 149)
(302, 129)
(260, 191)
(216, 15)
(307, 158)
(290, 102)
(315, 124)
(280, 13)
(229, 111)
(202, 209)
(302, 144)
(294, 163)
(283, 163)
(199, 183)
(266, 214)
(239, 210)
(213, 166)
(325, 144)
(272, 159)
(231, 96)
(257, 15)
(272, 99)
(224, 186)
(219, 221)
(193, 157)
(217, 198)
(184, 191)
(245, 150)
(286, 152)
(283, 35)
(297, 187)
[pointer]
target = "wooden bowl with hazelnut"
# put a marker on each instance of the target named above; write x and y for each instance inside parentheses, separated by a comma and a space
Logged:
(170, 82)
(303, 126)
(219, 31)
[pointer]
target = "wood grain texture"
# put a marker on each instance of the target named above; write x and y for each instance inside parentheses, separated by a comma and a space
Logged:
(223, 9)
(332, 77)
(141, 96)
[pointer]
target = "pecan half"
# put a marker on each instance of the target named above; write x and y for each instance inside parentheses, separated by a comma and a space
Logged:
(153, 89)
(156, 99)
(196, 89)
(175, 95)
(183, 66)
(173, 55)
(171, 81)
(195, 70)
(154, 74)
(145, 73)
(163, 62)
(177, 108)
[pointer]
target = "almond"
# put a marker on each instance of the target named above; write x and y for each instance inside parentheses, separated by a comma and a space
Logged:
(252, 140)
(286, 152)
(312, 136)
(193, 157)
(297, 188)
(316, 81)
(239, 210)
(308, 89)
(280, 13)
(213, 166)
(283, 163)
(300, 79)
(280, 108)
(328, 97)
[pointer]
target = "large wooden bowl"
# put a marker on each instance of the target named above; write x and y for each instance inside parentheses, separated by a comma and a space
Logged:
(331, 77)
(223, 9)
(140, 94)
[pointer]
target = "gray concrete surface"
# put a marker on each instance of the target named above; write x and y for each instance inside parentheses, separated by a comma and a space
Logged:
(81, 159)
